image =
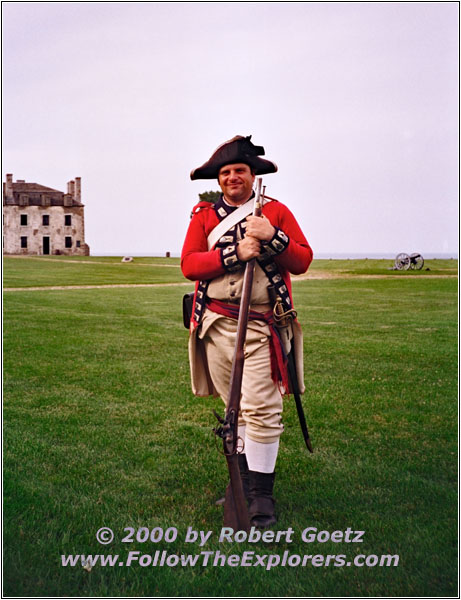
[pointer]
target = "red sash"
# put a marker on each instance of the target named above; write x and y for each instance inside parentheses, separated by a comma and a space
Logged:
(279, 371)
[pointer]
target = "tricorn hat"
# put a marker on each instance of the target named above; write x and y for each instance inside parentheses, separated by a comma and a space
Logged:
(237, 150)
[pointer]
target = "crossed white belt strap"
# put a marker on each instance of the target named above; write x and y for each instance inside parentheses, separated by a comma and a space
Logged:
(235, 217)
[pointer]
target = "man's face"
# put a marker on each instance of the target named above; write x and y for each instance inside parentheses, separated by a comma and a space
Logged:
(236, 182)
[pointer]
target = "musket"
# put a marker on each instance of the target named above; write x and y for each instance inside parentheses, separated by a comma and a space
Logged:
(235, 507)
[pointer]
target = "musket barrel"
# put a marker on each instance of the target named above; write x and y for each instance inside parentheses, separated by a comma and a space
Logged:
(235, 505)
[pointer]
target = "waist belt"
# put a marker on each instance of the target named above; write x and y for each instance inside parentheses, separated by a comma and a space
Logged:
(279, 361)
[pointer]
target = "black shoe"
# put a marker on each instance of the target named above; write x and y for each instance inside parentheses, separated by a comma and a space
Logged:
(262, 505)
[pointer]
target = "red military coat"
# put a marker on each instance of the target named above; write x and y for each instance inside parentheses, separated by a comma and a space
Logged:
(290, 251)
(200, 264)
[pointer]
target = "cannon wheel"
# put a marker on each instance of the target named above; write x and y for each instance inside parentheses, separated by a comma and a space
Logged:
(417, 261)
(402, 262)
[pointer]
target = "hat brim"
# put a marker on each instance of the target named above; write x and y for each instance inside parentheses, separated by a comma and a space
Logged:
(210, 169)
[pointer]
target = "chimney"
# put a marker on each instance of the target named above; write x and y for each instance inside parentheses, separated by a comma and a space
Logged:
(78, 189)
(71, 188)
(9, 186)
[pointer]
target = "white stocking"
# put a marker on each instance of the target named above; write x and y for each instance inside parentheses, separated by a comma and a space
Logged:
(261, 457)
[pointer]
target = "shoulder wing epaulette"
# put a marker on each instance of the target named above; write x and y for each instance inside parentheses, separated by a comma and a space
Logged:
(203, 204)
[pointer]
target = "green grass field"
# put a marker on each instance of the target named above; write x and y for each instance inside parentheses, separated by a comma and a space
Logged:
(100, 429)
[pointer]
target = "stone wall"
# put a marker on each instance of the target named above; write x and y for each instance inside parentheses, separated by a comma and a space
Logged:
(35, 231)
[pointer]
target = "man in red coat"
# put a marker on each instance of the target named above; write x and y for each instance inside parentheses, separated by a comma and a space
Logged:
(220, 240)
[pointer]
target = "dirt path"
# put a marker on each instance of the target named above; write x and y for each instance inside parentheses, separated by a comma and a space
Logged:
(315, 275)
(95, 287)
(90, 262)
(339, 275)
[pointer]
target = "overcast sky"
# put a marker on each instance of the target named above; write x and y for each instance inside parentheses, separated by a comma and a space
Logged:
(356, 102)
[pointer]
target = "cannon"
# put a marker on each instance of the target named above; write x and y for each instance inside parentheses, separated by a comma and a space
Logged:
(403, 261)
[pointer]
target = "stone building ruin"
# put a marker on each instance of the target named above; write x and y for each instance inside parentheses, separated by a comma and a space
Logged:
(41, 220)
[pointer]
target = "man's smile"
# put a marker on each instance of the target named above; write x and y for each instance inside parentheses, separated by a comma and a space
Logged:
(236, 182)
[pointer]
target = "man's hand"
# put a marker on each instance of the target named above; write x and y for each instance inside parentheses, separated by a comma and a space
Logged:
(248, 248)
(258, 229)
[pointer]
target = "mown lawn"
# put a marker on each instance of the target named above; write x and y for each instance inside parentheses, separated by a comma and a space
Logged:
(55, 271)
(101, 429)
(372, 266)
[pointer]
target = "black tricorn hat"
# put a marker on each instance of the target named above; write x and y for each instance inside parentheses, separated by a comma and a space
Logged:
(237, 150)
